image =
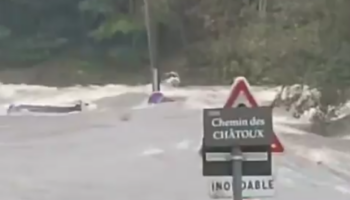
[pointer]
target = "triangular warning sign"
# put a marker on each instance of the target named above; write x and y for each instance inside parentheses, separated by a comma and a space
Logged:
(241, 94)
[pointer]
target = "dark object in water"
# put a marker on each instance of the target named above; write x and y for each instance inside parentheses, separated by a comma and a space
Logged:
(78, 107)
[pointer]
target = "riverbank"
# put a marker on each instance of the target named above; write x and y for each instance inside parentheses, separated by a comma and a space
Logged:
(68, 73)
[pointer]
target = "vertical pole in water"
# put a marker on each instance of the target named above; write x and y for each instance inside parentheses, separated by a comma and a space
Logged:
(152, 47)
(237, 160)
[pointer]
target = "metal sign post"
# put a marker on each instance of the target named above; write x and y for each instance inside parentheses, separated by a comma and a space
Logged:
(237, 161)
(152, 46)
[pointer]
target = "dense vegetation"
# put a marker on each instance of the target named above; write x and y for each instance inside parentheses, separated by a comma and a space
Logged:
(269, 41)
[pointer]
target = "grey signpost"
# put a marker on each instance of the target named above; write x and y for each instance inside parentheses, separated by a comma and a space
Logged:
(237, 159)
(152, 46)
(236, 129)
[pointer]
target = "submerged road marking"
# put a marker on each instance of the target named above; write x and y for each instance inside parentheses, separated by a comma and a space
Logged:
(152, 151)
(185, 144)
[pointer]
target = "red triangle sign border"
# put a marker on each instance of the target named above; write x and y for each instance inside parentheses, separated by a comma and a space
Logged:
(241, 87)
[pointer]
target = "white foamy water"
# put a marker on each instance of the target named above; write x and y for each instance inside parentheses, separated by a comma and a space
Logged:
(196, 97)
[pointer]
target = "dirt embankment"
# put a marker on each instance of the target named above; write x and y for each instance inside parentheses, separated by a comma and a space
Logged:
(63, 74)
